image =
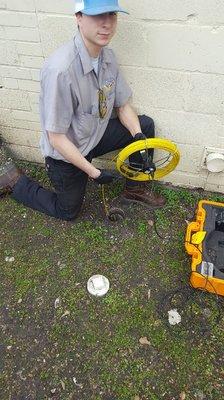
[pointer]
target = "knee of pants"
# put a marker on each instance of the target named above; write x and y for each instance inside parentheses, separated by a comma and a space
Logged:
(147, 126)
(69, 214)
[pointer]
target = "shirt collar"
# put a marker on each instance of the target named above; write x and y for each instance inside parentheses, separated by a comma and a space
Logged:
(85, 57)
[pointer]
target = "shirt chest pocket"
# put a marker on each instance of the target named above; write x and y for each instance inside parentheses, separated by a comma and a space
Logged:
(85, 125)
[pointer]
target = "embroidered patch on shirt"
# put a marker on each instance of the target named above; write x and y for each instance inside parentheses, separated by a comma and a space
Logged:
(108, 85)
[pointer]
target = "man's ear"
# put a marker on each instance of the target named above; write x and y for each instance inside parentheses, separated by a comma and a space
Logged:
(78, 17)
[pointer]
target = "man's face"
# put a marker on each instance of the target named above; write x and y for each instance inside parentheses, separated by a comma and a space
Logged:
(97, 30)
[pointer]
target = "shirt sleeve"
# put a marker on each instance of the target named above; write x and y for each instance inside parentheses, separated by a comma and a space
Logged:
(122, 90)
(58, 100)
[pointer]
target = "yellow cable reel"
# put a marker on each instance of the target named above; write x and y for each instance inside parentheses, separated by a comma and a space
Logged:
(165, 165)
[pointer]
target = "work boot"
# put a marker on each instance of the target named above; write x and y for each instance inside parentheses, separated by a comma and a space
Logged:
(9, 175)
(143, 195)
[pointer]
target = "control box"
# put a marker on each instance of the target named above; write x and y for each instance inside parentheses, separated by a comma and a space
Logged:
(204, 241)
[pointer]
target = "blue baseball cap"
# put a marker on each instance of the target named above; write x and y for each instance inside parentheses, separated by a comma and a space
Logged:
(95, 7)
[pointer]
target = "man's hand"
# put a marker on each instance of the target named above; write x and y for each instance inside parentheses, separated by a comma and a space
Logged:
(139, 136)
(106, 176)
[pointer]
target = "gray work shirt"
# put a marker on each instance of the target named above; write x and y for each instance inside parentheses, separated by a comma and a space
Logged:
(69, 99)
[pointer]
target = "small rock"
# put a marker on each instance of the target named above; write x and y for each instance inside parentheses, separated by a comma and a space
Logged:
(200, 395)
(53, 391)
(174, 317)
(183, 396)
(149, 294)
(9, 347)
(150, 222)
(9, 259)
(19, 301)
(144, 341)
(57, 303)
(207, 313)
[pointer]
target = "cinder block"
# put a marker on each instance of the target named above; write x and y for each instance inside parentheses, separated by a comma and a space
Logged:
(2, 4)
(21, 5)
(204, 93)
(32, 61)
(137, 46)
(210, 12)
(13, 18)
(35, 74)
(56, 7)
(35, 126)
(185, 179)
(28, 20)
(219, 188)
(55, 31)
(22, 34)
(10, 83)
(29, 86)
(9, 18)
(190, 159)
(22, 137)
(8, 51)
(188, 128)
(35, 108)
(27, 153)
(34, 98)
(25, 115)
(29, 49)
(5, 118)
(215, 179)
(15, 72)
(2, 33)
(157, 87)
(14, 99)
(194, 48)
(168, 10)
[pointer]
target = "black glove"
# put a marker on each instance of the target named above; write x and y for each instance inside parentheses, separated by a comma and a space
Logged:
(106, 176)
(139, 136)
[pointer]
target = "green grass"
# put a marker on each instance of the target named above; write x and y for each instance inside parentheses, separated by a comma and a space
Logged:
(97, 340)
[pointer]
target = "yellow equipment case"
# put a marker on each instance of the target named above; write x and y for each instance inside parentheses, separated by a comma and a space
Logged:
(204, 241)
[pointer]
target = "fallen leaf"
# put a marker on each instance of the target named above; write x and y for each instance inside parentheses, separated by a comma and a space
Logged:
(65, 314)
(144, 340)
(137, 398)
(62, 385)
(182, 396)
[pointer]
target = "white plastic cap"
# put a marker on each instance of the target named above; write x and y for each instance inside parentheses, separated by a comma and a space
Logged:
(98, 285)
(215, 162)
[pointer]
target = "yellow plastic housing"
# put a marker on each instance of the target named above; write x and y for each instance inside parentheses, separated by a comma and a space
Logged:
(162, 144)
(210, 284)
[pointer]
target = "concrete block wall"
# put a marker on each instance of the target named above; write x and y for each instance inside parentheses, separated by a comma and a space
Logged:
(171, 52)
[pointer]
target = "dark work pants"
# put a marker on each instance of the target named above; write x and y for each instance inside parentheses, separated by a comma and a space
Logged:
(69, 181)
